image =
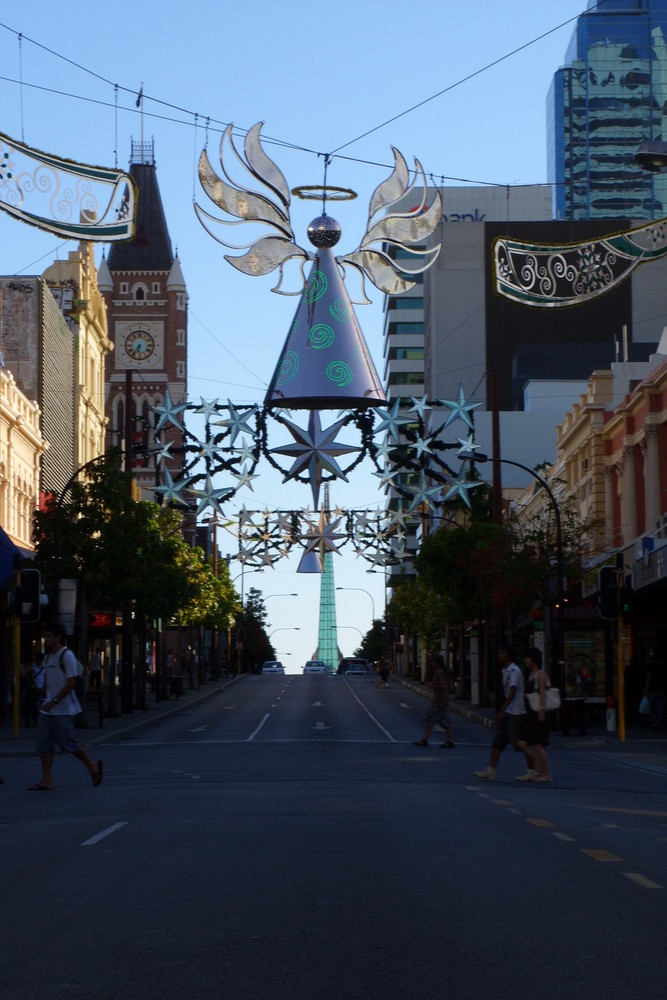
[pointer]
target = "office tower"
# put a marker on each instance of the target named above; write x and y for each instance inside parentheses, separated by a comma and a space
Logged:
(609, 97)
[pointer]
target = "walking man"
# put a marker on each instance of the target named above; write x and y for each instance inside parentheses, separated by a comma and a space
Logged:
(439, 710)
(56, 716)
(510, 720)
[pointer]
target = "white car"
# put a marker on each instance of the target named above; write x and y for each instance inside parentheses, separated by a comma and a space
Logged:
(273, 667)
(315, 667)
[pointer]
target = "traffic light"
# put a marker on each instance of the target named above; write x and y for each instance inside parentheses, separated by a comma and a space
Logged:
(28, 594)
(608, 592)
(626, 601)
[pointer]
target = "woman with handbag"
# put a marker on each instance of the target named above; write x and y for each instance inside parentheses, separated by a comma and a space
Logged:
(537, 728)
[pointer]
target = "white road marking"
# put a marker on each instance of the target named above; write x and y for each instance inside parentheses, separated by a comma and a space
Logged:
(199, 729)
(646, 883)
(371, 716)
(320, 725)
(402, 704)
(563, 836)
(252, 735)
(103, 834)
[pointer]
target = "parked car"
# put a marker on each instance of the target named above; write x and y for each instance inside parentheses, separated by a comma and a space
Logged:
(350, 665)
(273, 667)
(315, 667)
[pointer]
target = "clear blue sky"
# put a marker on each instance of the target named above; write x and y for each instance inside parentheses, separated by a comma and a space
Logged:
(319, 76)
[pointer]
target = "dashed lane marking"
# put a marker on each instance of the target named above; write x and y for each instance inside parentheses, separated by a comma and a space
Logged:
(541, 822)
(563, 836)
(642, 880)
(103, 834)
(599, 855)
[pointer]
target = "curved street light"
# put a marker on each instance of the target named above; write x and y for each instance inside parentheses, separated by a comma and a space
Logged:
(285, 628)
(362, 591)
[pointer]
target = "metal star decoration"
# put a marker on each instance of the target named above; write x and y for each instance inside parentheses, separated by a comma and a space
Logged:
(237, 421)
(461, 487)
(171, 491)
(210, 497)
(391, 421)
(170, 413)
(424, 494)
(314, 450)
(323, 536)
(460, 410)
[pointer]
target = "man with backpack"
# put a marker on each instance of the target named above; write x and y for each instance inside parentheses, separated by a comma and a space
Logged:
(56, 716)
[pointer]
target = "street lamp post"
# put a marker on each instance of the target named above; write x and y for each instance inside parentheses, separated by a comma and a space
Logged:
(362, 591)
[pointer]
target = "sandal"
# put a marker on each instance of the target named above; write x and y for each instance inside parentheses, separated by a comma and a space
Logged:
(97, 778)
(40, 788)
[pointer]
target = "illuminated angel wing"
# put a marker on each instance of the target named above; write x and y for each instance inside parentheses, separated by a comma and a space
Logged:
(551, 276)
(271, 210)
(398, 230)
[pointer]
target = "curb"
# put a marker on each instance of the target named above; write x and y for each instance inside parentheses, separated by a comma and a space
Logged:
(466, 713)
(148, 720)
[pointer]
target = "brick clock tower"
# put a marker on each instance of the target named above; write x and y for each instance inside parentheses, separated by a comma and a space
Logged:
(147, 300)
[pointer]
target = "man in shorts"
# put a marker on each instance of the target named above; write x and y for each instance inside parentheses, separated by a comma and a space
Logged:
(511, 719)
(56, 717)
(439, 710)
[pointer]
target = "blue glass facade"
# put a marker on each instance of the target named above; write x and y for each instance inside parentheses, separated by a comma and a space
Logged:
(609, 97)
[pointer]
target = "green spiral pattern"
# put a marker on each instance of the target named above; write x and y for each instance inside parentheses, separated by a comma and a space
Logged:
(339, 373)
(317, 286)
(341, 311)
(289, 366)
(321, 336)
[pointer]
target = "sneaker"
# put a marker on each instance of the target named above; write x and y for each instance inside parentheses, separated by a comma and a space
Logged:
(529, 775)
(488, 774)
(419, 743)
(447, 746)
(540, 779)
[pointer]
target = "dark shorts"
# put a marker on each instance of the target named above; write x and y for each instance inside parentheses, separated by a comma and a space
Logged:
(511, 729)
(438, 713)
(56, 730)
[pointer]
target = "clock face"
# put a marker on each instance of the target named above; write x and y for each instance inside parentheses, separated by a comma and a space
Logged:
(139, 345)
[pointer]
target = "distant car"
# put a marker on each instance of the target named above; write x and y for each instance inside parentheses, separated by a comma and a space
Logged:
(273, 667)
(351, 665)
(315, 667)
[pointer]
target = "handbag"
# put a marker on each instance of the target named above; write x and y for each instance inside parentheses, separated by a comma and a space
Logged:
(551, 698)
(645, 706)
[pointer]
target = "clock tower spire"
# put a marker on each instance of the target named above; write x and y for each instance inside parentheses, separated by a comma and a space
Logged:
(146, 298)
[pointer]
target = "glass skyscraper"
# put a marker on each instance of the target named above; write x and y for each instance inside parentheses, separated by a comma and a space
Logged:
(609, 97)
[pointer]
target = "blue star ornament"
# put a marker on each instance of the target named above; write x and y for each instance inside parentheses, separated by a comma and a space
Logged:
(419, 406)
(460, 410)
(468, 448)
(172, 491)
(314, 451)
(423, 494)
(460, 487)
(390, 421)
(169, 413)
(210, 497)
(208, 408)
(237, 421)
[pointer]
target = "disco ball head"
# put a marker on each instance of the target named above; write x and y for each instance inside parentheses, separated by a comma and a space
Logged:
(324, 231)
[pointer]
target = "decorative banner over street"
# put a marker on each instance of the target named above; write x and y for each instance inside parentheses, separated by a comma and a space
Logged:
(70, 199)
(551, 275)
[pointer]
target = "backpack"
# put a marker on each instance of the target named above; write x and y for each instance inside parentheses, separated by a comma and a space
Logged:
(80, 682)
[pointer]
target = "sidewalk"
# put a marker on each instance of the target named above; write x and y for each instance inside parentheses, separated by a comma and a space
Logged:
(113, 728)
(638, 735)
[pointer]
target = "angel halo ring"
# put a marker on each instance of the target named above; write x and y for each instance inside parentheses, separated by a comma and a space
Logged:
(320, 192)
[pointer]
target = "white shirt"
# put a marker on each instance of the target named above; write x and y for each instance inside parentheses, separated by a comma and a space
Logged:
(58, 668)
(513, 678)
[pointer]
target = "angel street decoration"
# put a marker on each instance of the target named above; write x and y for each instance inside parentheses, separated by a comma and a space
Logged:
(71, 199)
(550, 275)
(325, 362)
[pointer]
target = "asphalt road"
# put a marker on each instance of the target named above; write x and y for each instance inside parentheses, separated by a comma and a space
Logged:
(284, 839)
